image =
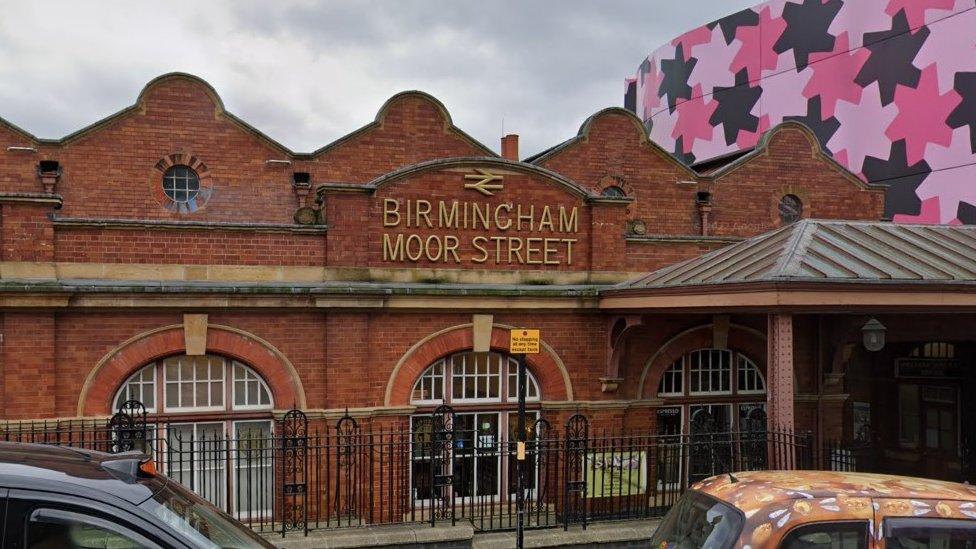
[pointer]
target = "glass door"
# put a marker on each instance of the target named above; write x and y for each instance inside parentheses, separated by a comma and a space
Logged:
(709, 429)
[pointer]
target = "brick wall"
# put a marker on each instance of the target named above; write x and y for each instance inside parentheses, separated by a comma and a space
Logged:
(188, 247)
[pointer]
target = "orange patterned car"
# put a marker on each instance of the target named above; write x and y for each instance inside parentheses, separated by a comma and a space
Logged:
(820, 509)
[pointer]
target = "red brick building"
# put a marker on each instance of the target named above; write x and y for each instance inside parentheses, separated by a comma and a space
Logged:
(174, 254)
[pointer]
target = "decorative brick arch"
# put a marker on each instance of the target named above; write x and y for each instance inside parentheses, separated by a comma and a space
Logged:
(116, 366)
(547, 367)
(742, 339)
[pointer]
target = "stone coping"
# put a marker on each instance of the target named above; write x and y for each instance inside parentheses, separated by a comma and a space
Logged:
(626, 533)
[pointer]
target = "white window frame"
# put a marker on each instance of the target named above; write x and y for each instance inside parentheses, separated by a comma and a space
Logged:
(196, 469)
(262, 386)
(507, 371)
(129, 381)
(708, 371)
(750, 367)
(210, 380)
(232, 482)
(477, 378)
(676, 367)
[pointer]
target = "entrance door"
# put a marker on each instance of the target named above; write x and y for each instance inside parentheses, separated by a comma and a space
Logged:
(709, 430)
(940, 432)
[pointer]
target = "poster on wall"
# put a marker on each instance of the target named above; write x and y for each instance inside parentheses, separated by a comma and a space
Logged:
(615, 474)
(862, 422)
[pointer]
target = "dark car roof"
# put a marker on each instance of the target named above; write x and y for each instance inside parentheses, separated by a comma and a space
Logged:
(74, 471)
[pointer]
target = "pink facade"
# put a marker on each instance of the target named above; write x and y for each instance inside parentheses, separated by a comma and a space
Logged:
(888, 86)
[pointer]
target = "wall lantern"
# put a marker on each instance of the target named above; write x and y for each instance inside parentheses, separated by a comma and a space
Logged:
(874, 335)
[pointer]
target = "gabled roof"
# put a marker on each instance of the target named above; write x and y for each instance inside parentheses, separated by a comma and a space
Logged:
(831, 251)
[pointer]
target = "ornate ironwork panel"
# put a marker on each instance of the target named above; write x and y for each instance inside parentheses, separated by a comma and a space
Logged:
(441, 466)
(574, 470)
(347, 432)
(128, 427)
(294, 471)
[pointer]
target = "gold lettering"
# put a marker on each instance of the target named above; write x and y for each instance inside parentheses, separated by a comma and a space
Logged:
(569, 249)
(409, 218)
(420, 247)
(515, 249)
(427, 247)
(545, 222)
(391, 212)
(423, 211)
(568, 223)
(547, 250)
(506, 219)
(478, 243)
(483, 216)
(391, 251)
(498, 247)
(530, 217)
(450, 247)
(529, 250)
(448, 218)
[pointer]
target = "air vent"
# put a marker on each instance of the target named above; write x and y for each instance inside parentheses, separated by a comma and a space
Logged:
(302, 178)
(703, 198)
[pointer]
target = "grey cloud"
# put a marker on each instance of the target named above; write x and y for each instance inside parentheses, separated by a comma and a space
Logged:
(307, 72)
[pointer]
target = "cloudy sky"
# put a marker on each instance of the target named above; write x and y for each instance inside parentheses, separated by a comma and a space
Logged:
(309, 72)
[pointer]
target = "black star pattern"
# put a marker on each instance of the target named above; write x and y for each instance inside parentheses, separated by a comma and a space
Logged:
(744, 18)
(806, 29)
(966, 213)
(674, 83)
(823, 129)
(902, 179)
(892, 53)
(965, 112)
(734, 107)
(679, 147)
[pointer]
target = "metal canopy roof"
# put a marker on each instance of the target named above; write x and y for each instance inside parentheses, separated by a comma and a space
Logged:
(831, 251)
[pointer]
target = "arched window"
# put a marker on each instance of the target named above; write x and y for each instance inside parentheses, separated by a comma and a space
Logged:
(184, 384)
(472, 378)
(482, 388)
(203, 409)
(613, 191)
(711, 388)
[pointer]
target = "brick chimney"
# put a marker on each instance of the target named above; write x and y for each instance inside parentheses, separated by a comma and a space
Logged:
(510, 147)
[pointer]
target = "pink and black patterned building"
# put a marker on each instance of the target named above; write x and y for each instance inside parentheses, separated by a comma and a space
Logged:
(888, 87)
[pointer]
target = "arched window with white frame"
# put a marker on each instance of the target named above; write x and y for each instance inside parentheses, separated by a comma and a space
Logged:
(719, 389)
(197, 405)
(482, 388)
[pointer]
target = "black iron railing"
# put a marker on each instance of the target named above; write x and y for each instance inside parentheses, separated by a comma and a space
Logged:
(299, 475)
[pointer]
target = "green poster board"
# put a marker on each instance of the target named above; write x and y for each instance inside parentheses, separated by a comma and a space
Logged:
(616, 474)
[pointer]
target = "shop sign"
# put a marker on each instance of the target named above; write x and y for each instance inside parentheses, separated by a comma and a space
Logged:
(612, 474)
(928, 367)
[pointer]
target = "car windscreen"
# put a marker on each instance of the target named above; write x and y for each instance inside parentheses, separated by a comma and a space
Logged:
(698, 520)
(197, 520)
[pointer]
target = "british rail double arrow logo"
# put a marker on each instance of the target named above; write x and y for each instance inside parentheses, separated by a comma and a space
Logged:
(484, 183)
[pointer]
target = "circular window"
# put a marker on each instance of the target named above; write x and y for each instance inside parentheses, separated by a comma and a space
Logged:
(790, 209)
(181, 184)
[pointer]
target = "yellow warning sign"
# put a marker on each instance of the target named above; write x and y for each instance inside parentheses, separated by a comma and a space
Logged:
(524, 342)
